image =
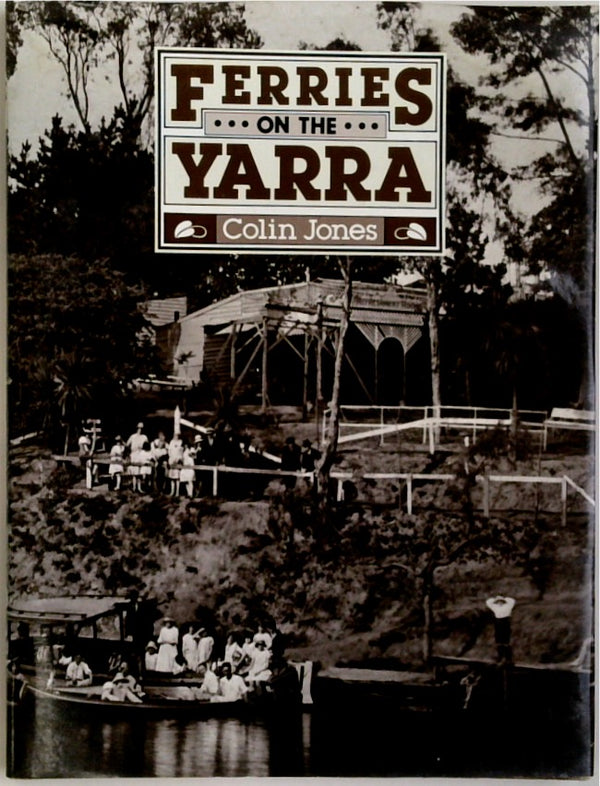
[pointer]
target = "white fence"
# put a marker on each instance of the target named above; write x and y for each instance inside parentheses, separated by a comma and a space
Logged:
(363, 422)
(564, 482)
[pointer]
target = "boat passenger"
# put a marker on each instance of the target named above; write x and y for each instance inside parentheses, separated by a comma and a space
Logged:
(125, 679)
(284, 683)
(65, 658)
(231, 686)
(118, 689)
(262, 635)
(210, 682)
(248, 652)
(22, 647)
(78, 672)
(151, 656)
(234, 651)
(259, 670)
(206, 644)
(167, 646)
(180, 666)
(189, 647)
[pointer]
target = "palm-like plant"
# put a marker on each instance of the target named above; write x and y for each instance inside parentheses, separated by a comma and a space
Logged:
(72, 388)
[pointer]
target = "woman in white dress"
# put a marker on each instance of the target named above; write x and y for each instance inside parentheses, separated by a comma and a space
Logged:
(167, 646)
(187, 472)
(175, 460)
(189, 648)
(117, 461)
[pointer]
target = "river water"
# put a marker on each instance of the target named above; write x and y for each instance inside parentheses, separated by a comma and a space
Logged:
(333, 742)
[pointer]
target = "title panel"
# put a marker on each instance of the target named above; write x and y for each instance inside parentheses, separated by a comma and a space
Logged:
(302, 152)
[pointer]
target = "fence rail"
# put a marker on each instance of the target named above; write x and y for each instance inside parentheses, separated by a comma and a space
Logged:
(430, 419)
(564, 481)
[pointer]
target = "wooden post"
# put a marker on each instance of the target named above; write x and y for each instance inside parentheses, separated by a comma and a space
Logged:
(381, 423)
(215, 487)
(264, 382)
(232, 353)
(563, 500)
(486, 496)
(89, 474)
(305, 377)
(432, 428)
(340, 490)
(319, 359)
(409, 501)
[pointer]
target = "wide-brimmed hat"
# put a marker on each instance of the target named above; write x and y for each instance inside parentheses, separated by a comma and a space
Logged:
(198, 438)
(151, 645)
(140, 425)
(168, 619)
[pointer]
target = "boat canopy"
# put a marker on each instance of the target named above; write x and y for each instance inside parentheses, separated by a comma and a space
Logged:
(81, 609)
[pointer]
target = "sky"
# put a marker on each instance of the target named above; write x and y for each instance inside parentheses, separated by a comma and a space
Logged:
(32, 100)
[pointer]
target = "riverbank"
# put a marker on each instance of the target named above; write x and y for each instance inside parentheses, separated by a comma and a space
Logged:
(349, 595)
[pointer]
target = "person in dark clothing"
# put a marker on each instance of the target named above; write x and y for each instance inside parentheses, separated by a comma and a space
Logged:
(308, 456)
(290, 458)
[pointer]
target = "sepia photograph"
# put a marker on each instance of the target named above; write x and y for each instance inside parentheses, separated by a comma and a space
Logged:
(301, 349)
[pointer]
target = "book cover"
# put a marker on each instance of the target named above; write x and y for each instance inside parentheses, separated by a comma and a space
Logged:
(301, 425)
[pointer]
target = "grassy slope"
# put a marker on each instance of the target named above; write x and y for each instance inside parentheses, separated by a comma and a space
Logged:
(336, 604)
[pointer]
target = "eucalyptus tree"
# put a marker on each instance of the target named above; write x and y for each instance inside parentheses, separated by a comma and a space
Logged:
(542, 89)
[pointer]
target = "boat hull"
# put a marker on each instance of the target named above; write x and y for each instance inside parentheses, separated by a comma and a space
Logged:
(159, 702)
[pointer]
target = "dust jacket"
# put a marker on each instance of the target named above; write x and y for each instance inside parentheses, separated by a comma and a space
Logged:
(301, 427)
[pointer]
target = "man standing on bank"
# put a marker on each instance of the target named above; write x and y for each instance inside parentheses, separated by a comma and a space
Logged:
(501, 607)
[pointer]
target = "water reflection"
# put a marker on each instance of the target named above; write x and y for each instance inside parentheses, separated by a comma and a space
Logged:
(213, 747)
(47, 742)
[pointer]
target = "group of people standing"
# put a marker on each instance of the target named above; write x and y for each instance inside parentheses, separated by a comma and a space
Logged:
(171, 467)
(160, 465)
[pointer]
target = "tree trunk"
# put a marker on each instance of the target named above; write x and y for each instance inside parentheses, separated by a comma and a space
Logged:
(514, 424)
(330, 443)
(428, 615)
(433, 323)
(67, 435)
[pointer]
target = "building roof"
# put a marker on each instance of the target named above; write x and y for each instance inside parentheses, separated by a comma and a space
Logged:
(65, 609)
(164, 311)
(371, 303)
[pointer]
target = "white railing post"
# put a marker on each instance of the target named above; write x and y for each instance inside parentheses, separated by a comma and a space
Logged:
(409, 500)
(215, 487)
(563, 500)
(381, 423)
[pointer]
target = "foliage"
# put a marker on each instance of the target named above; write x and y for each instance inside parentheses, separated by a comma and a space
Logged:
(548, 42)
(364, 592)
(71, 350)
(95, 42)
(84, 193)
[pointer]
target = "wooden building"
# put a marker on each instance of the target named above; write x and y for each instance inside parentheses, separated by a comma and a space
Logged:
(277, 344)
